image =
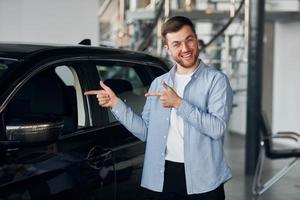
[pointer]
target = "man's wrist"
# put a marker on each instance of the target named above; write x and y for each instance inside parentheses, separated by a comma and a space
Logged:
(178, 103)
(114, 103)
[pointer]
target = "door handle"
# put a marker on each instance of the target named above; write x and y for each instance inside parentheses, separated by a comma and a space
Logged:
(98, 157)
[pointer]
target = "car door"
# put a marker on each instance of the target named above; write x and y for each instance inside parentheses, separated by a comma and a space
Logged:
(91, 144)
(130, 81)
(78, 164)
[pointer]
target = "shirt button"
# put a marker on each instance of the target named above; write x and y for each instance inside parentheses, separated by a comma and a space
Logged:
(162, 154)
(161, 171)
(167, 119)
(165, 137)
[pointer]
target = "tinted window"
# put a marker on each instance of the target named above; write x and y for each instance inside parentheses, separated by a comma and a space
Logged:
(5, 64)
(69, 76)
(54, 92)
(129, 81)
(3, 68)
(125, 74)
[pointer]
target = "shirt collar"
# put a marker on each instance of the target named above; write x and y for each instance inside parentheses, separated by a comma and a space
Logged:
(198, 70)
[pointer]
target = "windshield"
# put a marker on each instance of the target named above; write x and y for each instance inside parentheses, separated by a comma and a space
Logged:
(5, 64)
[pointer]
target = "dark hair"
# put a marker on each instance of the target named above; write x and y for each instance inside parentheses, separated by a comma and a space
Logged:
(174, 24)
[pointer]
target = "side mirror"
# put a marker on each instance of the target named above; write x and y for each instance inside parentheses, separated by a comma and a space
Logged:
(34, 130)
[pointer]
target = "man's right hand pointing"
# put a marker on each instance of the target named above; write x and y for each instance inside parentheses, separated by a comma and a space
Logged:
(106, 97)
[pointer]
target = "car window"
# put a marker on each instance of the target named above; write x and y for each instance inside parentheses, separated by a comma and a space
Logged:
(69, 76)
(5, 64)
(3, 68)
(66, 75)
(129, 81)
(54, 92)
(121, 72)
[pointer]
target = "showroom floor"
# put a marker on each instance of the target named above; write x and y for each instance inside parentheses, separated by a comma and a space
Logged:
(239, 187)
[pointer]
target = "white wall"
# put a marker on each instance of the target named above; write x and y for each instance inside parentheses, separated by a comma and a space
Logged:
(286, 82)
(286, 92)
(55, 21)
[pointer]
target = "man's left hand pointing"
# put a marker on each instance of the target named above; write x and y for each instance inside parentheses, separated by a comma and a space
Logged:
(169, 99)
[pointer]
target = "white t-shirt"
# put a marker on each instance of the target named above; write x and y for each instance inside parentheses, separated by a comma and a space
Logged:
(175, 142)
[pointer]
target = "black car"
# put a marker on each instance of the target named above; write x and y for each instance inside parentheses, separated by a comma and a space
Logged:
(57, 143)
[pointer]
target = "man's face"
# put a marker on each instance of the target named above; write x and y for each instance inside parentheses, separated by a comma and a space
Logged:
(183, 47)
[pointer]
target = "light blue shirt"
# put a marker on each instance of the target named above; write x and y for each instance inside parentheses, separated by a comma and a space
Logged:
(205, 109)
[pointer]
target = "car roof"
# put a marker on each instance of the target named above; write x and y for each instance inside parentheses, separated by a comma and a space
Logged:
(20, 51)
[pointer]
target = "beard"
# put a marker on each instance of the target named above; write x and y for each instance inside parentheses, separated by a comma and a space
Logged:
(188, 64)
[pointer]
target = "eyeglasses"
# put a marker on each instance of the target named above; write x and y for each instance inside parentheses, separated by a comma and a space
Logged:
(189, 41)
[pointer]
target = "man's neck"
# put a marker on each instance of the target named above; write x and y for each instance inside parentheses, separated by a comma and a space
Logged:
(184, 70)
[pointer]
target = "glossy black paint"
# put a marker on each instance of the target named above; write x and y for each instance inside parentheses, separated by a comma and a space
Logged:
(99, 158)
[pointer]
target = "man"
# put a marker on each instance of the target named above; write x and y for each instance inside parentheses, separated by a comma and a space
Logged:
(183, 121)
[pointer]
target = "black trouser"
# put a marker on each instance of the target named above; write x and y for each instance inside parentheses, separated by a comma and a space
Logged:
(175, 187)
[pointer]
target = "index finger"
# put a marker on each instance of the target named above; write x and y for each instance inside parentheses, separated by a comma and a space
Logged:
(91, 92)
(157, 94)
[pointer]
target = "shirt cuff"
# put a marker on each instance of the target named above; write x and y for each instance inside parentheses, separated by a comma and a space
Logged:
(118, 107)
(184, 109)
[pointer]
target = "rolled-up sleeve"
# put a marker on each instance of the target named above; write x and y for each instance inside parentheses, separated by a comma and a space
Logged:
(212, 122)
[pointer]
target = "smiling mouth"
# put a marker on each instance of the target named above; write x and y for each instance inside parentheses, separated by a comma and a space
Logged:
(188, 55)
